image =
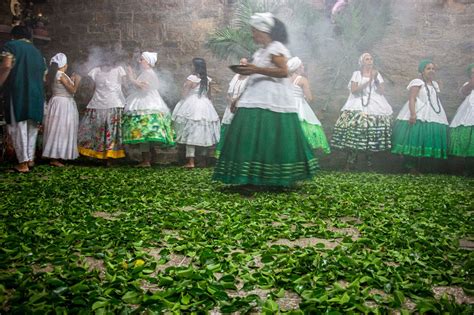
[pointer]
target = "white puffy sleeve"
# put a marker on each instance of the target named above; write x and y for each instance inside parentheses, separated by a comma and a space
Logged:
(415, 82)
(356, 77)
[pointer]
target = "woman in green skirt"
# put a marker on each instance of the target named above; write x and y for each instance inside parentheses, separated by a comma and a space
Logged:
(265, 144)
(421, 127)
(461, 135)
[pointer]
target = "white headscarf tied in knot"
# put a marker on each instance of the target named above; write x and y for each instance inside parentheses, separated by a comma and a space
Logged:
(150, 57)
(293, 64)
(263, 22)
(361, 58)
(60, 59)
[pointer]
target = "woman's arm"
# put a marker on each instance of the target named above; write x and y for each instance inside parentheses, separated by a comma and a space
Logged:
(209, 93)
(187, 87)
(414, 90)
(5, 67)
(380, 88)
(304, 83)
(466, 90)
(133, 79)
(70, 85)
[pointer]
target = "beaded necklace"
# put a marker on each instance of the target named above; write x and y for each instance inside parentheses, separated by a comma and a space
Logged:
(437, 111)
(368, 97)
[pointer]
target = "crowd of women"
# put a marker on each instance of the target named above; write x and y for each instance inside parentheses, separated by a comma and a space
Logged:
(268, 134)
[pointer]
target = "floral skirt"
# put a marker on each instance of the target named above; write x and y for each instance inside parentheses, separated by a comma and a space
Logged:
(461, 141)
(100, 134)
(316, 136)
(356, 130)
(422, 139)
(148, 128)
(262, 147)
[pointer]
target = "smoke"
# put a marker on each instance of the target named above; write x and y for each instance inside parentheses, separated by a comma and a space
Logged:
(113, 56)
(167, 87)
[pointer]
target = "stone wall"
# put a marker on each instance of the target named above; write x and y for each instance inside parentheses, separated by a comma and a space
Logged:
(177, 29)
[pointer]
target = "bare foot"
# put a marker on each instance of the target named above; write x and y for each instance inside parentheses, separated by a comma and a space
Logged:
(21, 167)
(144, 164)
(188, 165)
(56, 163)
(31, 164)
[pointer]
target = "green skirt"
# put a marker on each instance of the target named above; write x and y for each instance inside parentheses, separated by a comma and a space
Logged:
(147, 128)
(461, 141)
(423, 139)
(315, 136)
(219, 145)
(262, 147)
(355, 130)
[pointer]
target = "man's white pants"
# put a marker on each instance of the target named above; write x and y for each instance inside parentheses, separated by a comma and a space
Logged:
(23, 135)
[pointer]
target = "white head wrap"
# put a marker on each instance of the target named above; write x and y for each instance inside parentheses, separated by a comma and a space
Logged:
(150, 57)
(60, 59)
(361, 58)
(293, 64)
(263, 22)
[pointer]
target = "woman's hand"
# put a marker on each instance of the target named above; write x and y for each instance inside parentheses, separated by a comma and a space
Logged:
(130, 72)
(76, 78)
(142, 84)
(373, 75)
(412, 119)
(233, 105)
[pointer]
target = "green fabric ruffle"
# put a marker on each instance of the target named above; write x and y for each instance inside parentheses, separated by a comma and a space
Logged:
(461, 141)
(316, 137)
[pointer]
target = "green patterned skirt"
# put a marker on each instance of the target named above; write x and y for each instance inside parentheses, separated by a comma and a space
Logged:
(423, 139)
(356, 130)
(147, 128)
(461, 141)
(316, 136)
(262, 147)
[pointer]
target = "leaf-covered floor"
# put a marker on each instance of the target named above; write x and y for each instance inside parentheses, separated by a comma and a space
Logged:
(84, 239)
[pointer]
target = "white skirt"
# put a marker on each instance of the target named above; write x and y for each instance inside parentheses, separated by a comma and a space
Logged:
(196, 122)
(465, 114)
(61, 122)
(305, 113)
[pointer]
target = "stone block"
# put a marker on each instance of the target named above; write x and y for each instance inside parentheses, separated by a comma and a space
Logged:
(95, 28)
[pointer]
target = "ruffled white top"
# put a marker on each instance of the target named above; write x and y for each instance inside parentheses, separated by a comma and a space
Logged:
(424, 111)
(265, 92)
(377, 105)
(465, 114)
(236, 87)
(108, 88)
(305, 113)
(147, 100)
(196, 107)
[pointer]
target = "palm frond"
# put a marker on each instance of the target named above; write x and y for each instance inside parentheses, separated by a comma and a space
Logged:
(231, 44)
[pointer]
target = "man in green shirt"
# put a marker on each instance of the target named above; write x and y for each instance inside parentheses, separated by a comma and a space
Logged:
(21, 76)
